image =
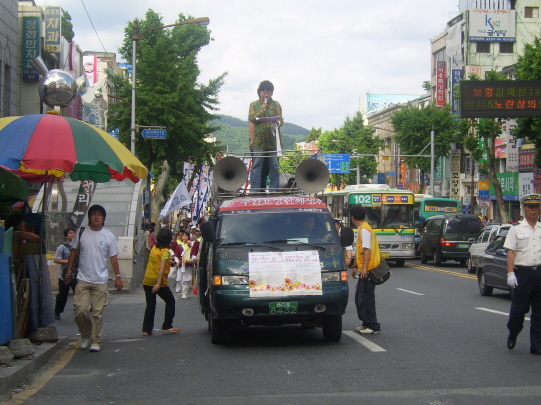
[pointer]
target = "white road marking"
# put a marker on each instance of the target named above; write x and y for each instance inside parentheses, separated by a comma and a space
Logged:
(365, 342)
(497, 312)
(408, 291)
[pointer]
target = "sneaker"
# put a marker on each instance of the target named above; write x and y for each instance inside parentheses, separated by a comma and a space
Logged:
(84, 343)
(368, 331)
(360, 328)
(171, 330)
(147, 333)
(95, 347)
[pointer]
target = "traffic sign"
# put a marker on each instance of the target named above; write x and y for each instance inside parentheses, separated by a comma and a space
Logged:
(154, 134)
(337, 162)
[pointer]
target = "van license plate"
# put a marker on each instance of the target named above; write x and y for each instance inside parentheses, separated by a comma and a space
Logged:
(385, 255)
(283, 308)
(463, 246)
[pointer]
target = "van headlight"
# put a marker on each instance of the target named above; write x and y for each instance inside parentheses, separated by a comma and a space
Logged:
(331, 276)
(230, 280)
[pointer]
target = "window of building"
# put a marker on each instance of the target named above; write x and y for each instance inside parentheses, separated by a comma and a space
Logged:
(483, 47)
(531, 12)
(506, 47)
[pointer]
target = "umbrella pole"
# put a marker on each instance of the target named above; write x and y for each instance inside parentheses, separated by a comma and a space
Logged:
(42, 249)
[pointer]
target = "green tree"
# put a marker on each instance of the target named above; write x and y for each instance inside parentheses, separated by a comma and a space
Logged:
(479, 137)
(353, 138)
(529, 68)
(313, 135)
(427, 86)
(412, 128)
(168, 95)
(67, 26)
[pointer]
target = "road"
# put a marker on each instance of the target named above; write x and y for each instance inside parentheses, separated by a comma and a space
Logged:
(441, 343)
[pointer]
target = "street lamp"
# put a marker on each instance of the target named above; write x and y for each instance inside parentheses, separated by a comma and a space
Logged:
(136, 36)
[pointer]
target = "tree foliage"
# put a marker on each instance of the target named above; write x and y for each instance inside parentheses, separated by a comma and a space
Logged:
(353, 137)
(529, 68)
(313, 135)
(168, 94)
(67, 26)
(412, 128)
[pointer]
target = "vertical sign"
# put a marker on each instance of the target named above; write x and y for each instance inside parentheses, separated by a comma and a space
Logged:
(441, 81)
(403, 171)
(525, 185)
(455, 174)
(512, 152)
(31, 47)
(456, 77)
(438, 173)
(52, 29)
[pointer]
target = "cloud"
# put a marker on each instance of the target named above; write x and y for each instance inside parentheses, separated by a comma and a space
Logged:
(321, 56)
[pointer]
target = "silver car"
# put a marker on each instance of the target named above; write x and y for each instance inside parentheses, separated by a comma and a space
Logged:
(481, 242)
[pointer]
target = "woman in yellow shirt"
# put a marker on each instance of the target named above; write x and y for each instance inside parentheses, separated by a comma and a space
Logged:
(155, 283)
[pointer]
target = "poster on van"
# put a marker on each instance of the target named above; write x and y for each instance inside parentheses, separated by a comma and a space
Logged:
(283, 274)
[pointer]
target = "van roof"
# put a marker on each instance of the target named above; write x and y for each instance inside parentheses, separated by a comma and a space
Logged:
(303, 203)
(446, 216)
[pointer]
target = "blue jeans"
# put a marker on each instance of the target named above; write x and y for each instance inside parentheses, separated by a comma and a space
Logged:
(365, 301)
(257, 166)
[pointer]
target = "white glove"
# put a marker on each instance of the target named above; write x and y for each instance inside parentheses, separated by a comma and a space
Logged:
(512, 280)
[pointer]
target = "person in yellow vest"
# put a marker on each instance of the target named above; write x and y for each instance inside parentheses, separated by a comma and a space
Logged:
(367, 257)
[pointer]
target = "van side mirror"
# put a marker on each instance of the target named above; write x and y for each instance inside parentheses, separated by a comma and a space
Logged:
(207, 231)
(472, 240)
(501, 252)
(346, 236)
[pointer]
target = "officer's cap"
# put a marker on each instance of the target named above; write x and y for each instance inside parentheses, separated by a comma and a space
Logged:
(531, 199)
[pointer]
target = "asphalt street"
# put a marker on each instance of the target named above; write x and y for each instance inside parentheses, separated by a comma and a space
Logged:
(442, 343)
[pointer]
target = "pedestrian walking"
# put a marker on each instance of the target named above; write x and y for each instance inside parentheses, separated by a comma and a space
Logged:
(523, 244)
(155, 284)
(61, 257)
(183, 280)
(94, 245)
(367, 257)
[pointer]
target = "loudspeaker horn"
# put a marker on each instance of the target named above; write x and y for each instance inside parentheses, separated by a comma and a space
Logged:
(312, 175)
(230, 173)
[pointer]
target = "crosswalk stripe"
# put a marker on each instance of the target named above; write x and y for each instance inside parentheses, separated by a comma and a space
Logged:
(365, 342)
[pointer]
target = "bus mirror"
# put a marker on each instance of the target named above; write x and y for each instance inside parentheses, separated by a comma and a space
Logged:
(346, 236)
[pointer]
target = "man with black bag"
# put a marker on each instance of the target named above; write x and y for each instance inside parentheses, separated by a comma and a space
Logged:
(367, 257)
(61, 257)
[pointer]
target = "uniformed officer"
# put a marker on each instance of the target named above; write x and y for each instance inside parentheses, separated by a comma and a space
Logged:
(523, 244)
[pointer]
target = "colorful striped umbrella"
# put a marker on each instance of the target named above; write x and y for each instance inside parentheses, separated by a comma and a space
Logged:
(47, 144)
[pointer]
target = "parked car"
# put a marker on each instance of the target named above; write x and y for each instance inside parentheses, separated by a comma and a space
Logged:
(480, 243)
(447, 237)
(492, 269)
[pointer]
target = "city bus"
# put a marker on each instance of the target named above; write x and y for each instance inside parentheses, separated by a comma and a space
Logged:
(427, 206)
(388, 211)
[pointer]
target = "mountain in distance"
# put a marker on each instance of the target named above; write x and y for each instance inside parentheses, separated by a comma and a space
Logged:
(233, 134)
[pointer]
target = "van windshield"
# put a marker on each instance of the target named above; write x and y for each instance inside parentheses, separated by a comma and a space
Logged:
(463, 226)
(260, 227)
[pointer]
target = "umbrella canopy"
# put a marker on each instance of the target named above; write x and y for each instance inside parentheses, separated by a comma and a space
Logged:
(46, 144)
(12, 187)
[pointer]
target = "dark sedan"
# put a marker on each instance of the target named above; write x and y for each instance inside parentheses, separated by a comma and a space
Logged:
(492, 269)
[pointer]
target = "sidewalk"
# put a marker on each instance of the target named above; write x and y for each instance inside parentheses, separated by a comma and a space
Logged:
(19, 370)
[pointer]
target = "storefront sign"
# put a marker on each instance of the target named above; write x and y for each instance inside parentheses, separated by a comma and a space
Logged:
(30, 47)
(53, 24)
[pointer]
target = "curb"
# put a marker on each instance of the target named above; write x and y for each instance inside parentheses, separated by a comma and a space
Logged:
(19, 370)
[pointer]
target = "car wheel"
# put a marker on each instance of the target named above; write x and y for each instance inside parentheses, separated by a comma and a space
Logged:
(437, 258)
(400, 262)
(218, 331)
(332, 328)
(424, 260)
(469, 265)
(462, 262)
(484, 289)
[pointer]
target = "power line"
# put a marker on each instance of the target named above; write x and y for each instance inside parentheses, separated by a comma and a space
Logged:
(90, 19)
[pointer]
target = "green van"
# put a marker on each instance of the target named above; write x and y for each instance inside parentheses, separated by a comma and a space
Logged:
(446, 237)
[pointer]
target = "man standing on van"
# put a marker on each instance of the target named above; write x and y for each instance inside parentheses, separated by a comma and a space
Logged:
(523, 244)
(367, 257)
(262, 135)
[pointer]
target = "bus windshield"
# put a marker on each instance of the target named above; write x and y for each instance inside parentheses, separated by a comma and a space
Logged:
(390, 216)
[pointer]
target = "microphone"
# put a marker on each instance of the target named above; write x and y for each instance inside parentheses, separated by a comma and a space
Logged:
(265, 100)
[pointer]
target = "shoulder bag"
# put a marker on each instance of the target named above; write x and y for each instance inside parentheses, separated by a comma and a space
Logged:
(380, 274)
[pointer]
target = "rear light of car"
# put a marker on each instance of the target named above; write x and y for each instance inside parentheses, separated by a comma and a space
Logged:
(444, 243)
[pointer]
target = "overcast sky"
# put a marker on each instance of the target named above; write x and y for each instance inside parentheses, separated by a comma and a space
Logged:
(322, 56)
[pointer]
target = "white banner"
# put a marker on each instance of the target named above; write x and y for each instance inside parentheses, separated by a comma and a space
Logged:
(492, 25)
(180, 198)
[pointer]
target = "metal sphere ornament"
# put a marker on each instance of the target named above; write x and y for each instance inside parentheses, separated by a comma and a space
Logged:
(57, 88)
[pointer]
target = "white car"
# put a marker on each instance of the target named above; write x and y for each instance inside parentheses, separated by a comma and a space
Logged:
(480, 243)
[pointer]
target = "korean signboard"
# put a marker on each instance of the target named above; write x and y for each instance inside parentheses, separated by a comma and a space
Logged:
(492, 25)
(495, 99)
(441, 82)
(509, 183)
(30, 47)
(456, 77)
(52, 29)
(526, 160)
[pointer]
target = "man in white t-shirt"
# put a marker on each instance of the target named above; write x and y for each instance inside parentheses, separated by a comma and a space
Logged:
(94, 245)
